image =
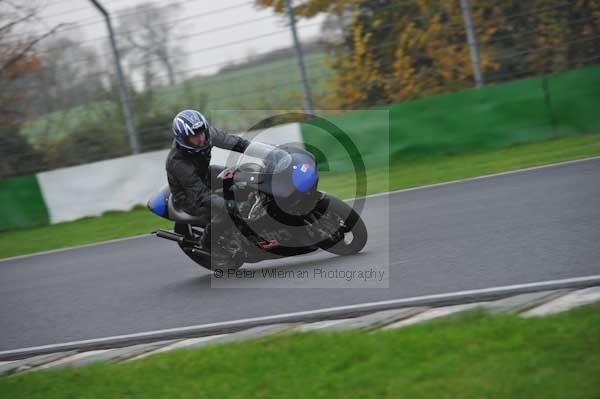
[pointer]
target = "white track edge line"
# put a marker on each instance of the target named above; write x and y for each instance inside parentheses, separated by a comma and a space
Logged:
(366, 305)
(468, 179)
(93, 244)
(510, 172)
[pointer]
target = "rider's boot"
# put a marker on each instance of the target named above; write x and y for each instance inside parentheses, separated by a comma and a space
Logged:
(219, 258)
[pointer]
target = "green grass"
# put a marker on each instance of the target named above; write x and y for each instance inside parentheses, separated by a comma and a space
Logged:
(401, 174)
(474, 355)
(110, 225)
(273, 85)
(438, 169)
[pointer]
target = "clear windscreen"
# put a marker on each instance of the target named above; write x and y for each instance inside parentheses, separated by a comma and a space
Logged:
(269, 158)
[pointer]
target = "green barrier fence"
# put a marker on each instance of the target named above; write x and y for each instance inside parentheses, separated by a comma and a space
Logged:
(472, 120)
(22, 203)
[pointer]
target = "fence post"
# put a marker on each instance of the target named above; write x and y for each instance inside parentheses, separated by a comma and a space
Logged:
(472, 40)
(134, 143)
(308, 106)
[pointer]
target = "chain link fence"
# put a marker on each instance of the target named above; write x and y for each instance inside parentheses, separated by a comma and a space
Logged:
(60, 104)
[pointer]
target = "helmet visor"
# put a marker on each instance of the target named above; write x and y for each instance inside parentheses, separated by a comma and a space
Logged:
(199, 138)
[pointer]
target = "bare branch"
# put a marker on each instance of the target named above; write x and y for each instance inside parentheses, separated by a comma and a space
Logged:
(147, 32)
(14, 59)
(12, 24)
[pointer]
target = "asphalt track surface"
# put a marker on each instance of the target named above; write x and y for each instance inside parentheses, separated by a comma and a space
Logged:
(516, 228)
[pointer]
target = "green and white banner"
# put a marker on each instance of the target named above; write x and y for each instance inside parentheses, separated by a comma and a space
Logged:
(22, 204)
(89, 190)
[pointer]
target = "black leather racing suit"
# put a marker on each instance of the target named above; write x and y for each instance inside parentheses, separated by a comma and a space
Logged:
(189, 179)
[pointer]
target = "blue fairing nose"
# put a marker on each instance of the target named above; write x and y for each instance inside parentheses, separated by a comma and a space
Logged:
(158, 203)
(304, 177)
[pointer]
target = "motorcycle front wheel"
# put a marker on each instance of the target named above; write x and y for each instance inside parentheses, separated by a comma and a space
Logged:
(351, 236)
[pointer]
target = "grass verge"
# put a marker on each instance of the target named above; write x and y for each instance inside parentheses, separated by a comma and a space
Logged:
(401, 174)
(474, 355)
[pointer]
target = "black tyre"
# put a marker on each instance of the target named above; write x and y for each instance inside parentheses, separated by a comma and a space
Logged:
(352, 233)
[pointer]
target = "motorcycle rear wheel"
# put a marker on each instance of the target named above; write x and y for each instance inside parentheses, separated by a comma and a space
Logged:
(207, 262)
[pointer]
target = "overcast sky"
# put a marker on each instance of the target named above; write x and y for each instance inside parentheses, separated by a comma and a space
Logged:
(201, 16)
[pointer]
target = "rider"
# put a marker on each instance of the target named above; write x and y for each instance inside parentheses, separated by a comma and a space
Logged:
(188, 169)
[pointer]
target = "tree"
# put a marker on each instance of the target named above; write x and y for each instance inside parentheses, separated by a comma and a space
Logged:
(145, 38)
(70, 75)
(19, 157)
(336, 26)
(18, 63)
(541, 36)
(395, 50)
(92, 143)
(408, 50)
(310, 8)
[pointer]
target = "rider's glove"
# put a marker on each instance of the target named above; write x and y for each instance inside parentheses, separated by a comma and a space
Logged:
(231, 206)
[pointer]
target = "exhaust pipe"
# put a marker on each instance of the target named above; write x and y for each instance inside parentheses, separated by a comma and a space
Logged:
(189, 246)
(169, 235)
(178, 238)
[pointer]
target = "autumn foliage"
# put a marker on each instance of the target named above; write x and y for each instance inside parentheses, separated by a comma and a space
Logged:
(396, 50)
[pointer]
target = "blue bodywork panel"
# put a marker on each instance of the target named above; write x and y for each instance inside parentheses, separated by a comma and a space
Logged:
(158, 203)
(304, 177)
